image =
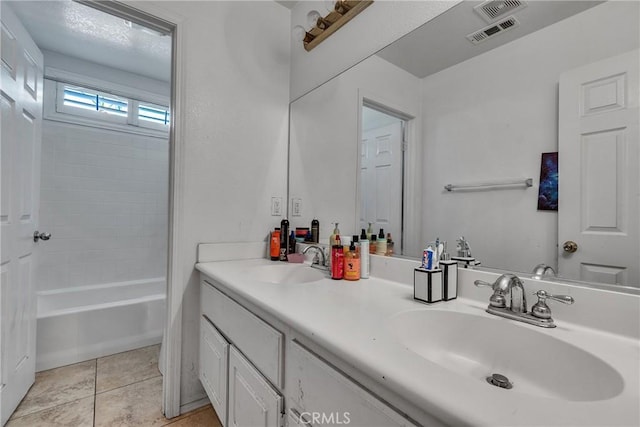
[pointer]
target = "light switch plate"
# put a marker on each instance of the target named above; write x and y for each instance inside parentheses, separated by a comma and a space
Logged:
(296, 207)
(276, 206)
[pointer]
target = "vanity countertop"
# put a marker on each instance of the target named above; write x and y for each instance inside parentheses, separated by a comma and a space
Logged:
(351, 321)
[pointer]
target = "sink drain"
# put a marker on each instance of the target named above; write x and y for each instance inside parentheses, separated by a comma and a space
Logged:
(499, 381)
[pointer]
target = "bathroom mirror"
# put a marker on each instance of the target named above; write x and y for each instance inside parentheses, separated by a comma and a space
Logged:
(469, 114)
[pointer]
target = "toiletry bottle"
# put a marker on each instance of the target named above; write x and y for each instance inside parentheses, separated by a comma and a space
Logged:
(373, 243)
(334, 236)
(389, 245)
(364, 255)
(292, 243)
(424, 258)
(284, 239)
(337, 260)
(356, 239)
(369, 232)
(352, 263)
(381, 246)
(274, 249)
(315, 230)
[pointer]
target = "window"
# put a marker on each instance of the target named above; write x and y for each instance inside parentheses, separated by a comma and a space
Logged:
(90, 106)
(83, 98)
(153, 113)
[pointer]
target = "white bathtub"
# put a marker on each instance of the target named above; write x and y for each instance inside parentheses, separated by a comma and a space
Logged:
(83, 323)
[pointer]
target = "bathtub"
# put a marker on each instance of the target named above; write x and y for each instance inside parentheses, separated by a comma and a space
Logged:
(82, 323)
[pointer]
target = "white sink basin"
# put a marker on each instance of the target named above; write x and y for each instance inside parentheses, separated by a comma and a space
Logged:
(285, 274)
(535, 362)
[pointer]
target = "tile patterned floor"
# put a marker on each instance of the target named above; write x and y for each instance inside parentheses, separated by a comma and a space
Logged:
(123, 390)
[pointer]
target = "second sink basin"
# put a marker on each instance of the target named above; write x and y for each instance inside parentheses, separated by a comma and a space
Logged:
(284, 273)
(536, 363)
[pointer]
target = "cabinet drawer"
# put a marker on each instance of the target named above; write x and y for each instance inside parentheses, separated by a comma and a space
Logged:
(257, 340)
(214, 362)
(323, 395)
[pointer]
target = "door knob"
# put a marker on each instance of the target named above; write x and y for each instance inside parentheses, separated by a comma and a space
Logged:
(570, 246)
(42, 236)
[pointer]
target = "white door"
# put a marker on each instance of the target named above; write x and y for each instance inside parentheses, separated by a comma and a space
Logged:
(214, 363)
(381, 180)
(252, 400)
(21, 103)
(598, 175)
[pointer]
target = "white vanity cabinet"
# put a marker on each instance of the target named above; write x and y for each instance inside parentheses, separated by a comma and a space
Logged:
(322, 395)
(252, 400)
(240, 362)
(243, 366)
(214, 363)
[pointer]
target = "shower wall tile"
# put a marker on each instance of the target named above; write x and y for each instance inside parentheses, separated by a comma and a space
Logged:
(104, 198)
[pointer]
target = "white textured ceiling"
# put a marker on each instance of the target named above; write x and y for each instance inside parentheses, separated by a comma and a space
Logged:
(80, 31)
(442, 43)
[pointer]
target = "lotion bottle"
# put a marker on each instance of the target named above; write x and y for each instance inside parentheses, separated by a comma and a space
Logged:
(274, 249)
(364, 255)
(381, 246)
(352, 263)
(369, 232)
(373, 243)
(337, 260)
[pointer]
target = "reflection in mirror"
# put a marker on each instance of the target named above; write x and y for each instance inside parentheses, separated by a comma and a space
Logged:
(486, 112)
(381, 180)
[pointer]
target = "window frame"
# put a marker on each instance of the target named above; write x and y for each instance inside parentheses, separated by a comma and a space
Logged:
(54, 109)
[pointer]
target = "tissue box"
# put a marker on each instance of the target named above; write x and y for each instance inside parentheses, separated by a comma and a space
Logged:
(427, 285)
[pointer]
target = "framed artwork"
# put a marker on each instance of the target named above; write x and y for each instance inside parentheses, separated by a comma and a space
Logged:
(548, 191)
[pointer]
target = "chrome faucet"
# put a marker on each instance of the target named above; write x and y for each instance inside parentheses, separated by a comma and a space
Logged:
(316, 263)
(540, 270)
(503, 289)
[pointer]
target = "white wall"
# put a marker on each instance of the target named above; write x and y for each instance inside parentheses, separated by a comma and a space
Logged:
(235, 118)
(377, 26)
(104, 73)
(104, 198)
(491, 117)
(324, 128)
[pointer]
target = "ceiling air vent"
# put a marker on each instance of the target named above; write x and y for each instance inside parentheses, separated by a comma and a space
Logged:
(494, 9)
(493, 30)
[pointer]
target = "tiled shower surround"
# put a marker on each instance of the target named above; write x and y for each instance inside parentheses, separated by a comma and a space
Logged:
(105, 201)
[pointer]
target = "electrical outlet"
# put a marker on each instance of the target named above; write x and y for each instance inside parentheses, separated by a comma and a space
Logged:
(296, 207)
(276, 206)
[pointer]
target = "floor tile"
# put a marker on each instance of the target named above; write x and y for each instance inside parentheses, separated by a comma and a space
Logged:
(58, 386)
(78, 413)
(205, 417)
(127, 368)
(138, 404)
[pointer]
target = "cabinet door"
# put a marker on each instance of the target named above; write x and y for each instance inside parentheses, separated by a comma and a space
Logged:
(252, 400)
(326, 396)
(214, 362)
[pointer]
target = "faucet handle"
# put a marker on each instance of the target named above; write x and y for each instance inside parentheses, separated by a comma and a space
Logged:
(541, 310)
(497, 298)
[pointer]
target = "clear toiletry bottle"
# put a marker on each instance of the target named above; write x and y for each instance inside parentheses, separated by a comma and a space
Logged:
(364, 255)
(373, 243)
(381, 246)
(369, 232)
(335, 235)
(389, 245)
